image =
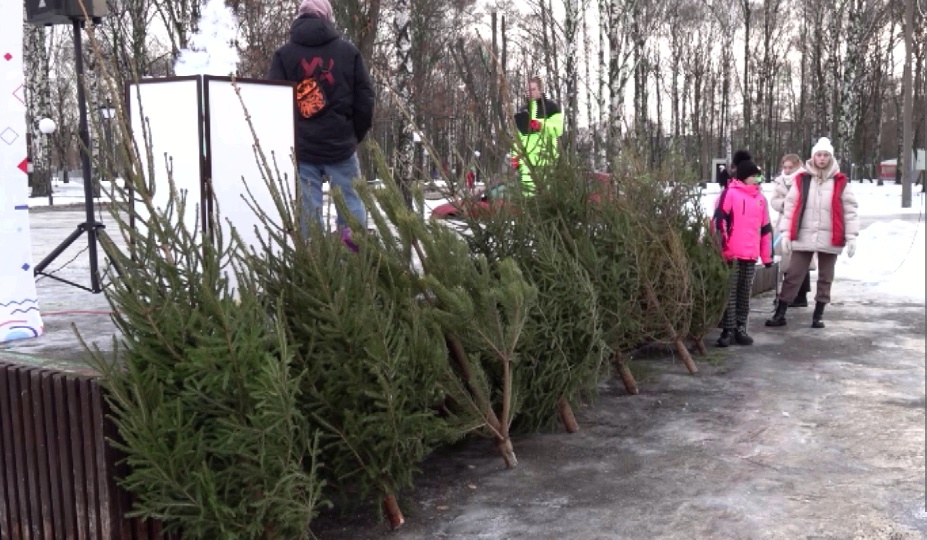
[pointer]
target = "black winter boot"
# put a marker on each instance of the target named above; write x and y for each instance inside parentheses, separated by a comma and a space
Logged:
(817, 320)
(725, 339)
(778, 319)
(742, 337)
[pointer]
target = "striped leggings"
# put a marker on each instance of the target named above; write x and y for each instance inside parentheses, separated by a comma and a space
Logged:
(738, 300)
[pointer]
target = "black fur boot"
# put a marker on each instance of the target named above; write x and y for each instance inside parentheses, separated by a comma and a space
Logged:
(742, 337)
(779, 318)
(817, 320)
(725, 339)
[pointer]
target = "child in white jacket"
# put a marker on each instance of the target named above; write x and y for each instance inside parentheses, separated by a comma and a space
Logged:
(791, 167)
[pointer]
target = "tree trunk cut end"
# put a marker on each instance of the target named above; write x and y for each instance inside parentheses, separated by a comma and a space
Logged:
(393, 513)
(507, 452)
(685, 356)
(626, 376)
(566, 416)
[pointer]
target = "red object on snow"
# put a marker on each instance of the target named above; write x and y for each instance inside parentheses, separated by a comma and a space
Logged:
(472, 203)
(486, 201)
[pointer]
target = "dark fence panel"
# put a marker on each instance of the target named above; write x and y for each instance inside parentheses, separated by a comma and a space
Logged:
(59, 475)
(765, 279)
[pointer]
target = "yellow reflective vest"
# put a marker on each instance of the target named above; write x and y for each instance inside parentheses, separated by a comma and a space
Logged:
(540, 125)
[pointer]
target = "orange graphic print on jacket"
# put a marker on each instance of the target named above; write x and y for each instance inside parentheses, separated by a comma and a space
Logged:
(310, 98)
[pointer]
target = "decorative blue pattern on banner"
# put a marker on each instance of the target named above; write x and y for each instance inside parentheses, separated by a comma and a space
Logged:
(19, 302)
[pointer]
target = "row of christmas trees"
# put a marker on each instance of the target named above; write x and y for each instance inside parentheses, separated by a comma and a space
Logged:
(255, 386)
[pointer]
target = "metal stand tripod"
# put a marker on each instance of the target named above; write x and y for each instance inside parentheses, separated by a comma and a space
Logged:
(91, 226)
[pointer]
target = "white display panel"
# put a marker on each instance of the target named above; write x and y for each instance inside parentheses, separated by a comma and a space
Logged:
(19, 308)
(170, 111)
(234, 173)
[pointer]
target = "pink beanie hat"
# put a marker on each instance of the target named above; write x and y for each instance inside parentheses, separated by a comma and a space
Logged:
(319, 8)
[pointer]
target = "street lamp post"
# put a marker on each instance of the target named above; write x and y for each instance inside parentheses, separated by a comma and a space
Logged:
(47, 126)
(106, 114)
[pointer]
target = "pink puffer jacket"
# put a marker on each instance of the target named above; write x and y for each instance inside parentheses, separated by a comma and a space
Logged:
(742, 219)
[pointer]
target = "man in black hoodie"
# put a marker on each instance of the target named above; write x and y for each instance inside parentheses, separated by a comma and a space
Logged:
(334, 107)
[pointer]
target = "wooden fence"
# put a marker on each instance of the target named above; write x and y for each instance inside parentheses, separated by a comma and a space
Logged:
(57, 473)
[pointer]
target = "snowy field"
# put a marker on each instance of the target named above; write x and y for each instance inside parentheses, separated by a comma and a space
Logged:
(890, 254)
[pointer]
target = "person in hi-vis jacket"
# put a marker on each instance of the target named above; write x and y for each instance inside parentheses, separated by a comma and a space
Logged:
(540, 125)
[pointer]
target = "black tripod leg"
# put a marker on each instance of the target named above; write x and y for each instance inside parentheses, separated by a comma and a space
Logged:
(92, 233)
(43, 264)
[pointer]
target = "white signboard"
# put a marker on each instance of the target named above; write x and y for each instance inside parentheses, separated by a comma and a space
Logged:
(235, 177)
(166, 127)
(198, 132)
(19, 308)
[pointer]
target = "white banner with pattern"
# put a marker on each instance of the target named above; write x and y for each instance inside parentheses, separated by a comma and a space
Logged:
(19, 309)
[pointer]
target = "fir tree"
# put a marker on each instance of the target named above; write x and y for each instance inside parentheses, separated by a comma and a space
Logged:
(564, 345)
(481, 308)
(374, 361)
(204, 393)
(663, 207)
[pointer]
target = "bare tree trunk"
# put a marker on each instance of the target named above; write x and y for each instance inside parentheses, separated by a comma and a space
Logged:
(820, 83)
(907, 143)
(804, 134)
(554, 56)
(675, 105)
(619, 70)
(590, 109)
(38, 98)
(603, 126)
(851, 87)
(747, 98)
(402, 86)
(570, 34)
(92, 89)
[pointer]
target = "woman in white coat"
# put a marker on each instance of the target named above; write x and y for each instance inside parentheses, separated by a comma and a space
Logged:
(819, 217)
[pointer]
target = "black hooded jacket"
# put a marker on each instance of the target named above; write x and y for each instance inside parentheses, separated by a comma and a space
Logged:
(334, 103)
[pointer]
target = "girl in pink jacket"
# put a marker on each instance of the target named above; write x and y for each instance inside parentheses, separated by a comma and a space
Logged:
(742, 222)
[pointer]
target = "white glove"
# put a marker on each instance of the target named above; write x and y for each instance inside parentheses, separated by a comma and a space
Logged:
(786, 244)
(851, 247)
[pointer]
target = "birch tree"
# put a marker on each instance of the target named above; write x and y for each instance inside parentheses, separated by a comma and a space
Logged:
(907, 144)
(402, 88)
(37, 94)
(861, 20)
(621, 65)
(571, 35)
(603, 125)
(723, 14)
(747, 13)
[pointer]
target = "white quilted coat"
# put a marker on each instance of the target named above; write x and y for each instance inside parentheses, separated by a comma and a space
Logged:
(816, 230)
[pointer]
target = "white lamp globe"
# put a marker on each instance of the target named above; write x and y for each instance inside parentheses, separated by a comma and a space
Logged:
(47, 126)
